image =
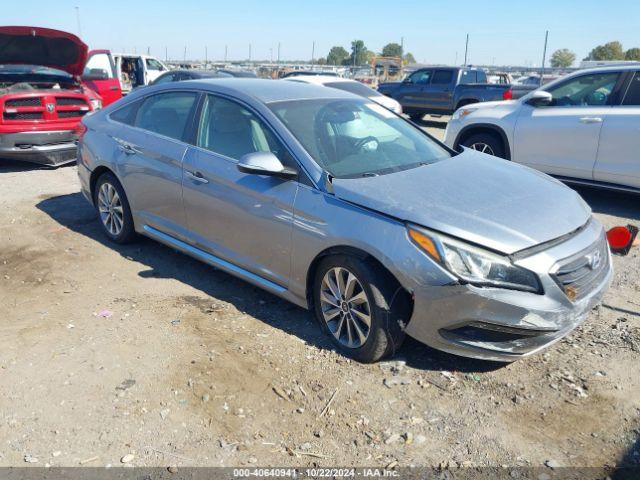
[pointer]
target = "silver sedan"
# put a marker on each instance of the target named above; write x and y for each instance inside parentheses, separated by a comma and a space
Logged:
(338, 205)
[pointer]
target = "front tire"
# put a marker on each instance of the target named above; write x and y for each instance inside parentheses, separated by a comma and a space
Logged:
(113, 209)
(485, 143)
(360, 306)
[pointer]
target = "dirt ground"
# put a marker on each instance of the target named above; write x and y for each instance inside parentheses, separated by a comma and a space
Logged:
(143, 355)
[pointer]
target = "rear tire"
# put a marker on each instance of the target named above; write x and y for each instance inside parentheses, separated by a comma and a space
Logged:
(487, 143)
(113, 209)
(364, 313)
(416, 116)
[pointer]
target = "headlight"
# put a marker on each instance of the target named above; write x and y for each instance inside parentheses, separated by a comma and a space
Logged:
(472, 264)
(96, 104)
(462, 112)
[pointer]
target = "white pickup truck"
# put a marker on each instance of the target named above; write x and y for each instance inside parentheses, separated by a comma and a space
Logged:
(137, 70)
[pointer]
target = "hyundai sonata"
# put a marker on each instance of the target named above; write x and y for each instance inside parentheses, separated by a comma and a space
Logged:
(336, 204)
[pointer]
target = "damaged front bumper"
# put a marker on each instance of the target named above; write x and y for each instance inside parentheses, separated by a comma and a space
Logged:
(505, 325)
(51, 148)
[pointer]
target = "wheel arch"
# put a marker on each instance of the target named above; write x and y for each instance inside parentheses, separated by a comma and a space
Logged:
(354, 252)
(95, 175)
(466, 101)
(475, 129)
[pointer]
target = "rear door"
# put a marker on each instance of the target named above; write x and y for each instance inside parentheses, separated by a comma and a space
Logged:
(619, 150)
(100, 76)
(562, 139)
(244, 219)
(151, 145)
(439, 93)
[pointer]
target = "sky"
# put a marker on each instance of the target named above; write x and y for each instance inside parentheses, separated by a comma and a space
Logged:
(500, 32)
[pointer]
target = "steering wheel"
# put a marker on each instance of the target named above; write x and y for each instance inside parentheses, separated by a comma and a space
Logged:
(359, 145)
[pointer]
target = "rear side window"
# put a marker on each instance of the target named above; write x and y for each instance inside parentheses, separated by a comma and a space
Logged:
(354, 87)
(469, 76)
(166, 113)
(442, 77)
(166, 78)
(126, 114)
(632, 96)
(481, 77)
(229, 129)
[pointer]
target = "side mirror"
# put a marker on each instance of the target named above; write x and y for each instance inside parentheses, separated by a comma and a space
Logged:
(265, 163)
(540, 98)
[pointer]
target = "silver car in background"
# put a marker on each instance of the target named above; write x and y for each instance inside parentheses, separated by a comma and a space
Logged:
(336, 204)
(583, 128)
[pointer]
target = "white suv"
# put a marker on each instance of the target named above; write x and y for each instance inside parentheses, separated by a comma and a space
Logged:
(583, 128)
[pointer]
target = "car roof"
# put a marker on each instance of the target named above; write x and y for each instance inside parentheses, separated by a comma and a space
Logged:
(264, 90)
(197, 72)
(317, 79)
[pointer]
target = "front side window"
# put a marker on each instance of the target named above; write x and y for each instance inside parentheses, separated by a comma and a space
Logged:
(229, 129)
(421, 77)
(586, 90)
(351, 138)
(166, 113)
(632, 96)
(442, 77)
(153, 64)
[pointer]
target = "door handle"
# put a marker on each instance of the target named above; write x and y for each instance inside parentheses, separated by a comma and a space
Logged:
(127, 149)
(590, 120)
(114, 88)
(196, 176)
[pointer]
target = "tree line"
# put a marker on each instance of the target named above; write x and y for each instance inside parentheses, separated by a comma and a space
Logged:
(361, 55)
(564, 57)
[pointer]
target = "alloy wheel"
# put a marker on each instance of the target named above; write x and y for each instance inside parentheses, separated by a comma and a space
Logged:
(110, 208)
(482, 147)
(345, 307)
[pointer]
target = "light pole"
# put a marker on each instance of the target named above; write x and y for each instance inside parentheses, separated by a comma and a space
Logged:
(78, 19)
(544, 55)
(466, 50)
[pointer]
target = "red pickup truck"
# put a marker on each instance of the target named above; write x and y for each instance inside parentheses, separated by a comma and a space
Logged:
(48, 82)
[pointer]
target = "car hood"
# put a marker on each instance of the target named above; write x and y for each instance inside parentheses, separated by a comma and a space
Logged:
(475, 197)
(43, 47)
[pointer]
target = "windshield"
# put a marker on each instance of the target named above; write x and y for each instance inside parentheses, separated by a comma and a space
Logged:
(354, 87)
(30, 70)
(352, 138)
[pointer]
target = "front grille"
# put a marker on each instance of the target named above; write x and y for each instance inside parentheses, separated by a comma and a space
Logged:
(580, 274)
(23, 102)
(22, 115)
(70, 101)
(71, 113)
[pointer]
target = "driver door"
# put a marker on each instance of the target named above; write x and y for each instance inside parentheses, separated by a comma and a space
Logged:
(562, 138)
(245, 219)
(413, 92)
